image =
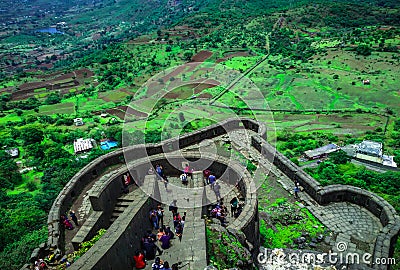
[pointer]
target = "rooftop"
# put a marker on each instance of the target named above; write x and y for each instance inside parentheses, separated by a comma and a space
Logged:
(13, 152)
(81, 145)
(370, 148)
(322, 150)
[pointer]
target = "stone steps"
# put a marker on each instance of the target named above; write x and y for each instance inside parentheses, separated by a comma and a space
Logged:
(122, 203)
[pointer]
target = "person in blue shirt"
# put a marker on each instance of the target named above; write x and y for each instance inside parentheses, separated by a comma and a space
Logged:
(211, 180)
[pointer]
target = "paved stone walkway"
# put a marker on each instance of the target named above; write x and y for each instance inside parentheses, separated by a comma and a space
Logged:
(191, 251)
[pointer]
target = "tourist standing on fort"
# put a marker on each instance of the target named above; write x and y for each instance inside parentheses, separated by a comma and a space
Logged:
(73, 217)
(183, 219)
(67, 224)
(211, 180)
(154, 219)
(125, 187)
(160, 215)
(140, 263)
(160, 171)
(234, 205)
(177, 219)
(296, 191)
(165, 180)
(217, 189)
(172, 207)
(206, 174)
(188, 171)
(184, 179)
(179, 230)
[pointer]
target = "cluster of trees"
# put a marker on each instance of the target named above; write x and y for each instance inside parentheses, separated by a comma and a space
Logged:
(338, 170)
(31, 103)
(295, 144)
(395, 141)
(42, 144)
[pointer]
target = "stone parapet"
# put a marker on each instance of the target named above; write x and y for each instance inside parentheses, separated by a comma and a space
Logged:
(386, 240)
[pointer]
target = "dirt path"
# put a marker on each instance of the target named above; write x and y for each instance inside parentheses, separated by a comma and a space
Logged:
(236, 81)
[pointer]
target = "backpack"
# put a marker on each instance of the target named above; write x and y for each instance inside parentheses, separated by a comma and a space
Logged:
(183, 177)
(155, 266)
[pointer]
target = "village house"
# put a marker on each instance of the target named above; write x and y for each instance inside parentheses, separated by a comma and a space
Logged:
(78, 122)
(321, 152)
(83, 145)
(373, 152)
(13, 152)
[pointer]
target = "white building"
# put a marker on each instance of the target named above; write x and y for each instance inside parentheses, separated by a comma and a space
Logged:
(82, 145)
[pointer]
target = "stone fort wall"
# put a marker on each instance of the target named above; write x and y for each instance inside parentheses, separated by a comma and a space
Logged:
(123, 236)
(107, 199)
(386, 240)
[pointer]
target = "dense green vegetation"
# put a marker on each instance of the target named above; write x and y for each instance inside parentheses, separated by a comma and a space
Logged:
(287, 221)
(317, 55)
(225, 250)
(83, 248)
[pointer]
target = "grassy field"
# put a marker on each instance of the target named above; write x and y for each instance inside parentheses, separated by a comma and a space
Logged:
(114, 96)
(62, 108)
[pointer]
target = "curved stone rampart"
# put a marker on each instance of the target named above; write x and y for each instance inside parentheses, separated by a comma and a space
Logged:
(387, 237)
(119, 236)
(78, 182)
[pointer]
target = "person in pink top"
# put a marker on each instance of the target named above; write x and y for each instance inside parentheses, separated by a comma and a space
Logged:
(188, 171)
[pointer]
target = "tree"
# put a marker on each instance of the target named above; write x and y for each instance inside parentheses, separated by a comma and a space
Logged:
(35, 150)
(53, 98)
(31, 134)
(397, 157)
(153, 136)
(188, 55)
(9, 172)
(339, 157)
(363, 49)
(19, 112)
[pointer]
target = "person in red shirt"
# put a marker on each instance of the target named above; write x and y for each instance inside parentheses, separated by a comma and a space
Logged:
(139, 260)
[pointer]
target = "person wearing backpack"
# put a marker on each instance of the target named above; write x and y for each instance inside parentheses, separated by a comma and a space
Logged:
(234, 205)
(157, 265)
(179, 230)
(177, 219)
(184, 178)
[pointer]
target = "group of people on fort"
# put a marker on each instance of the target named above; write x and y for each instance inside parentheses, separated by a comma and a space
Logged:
(151, 242)
(67, 222)
(220, 211)
(158, 238)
